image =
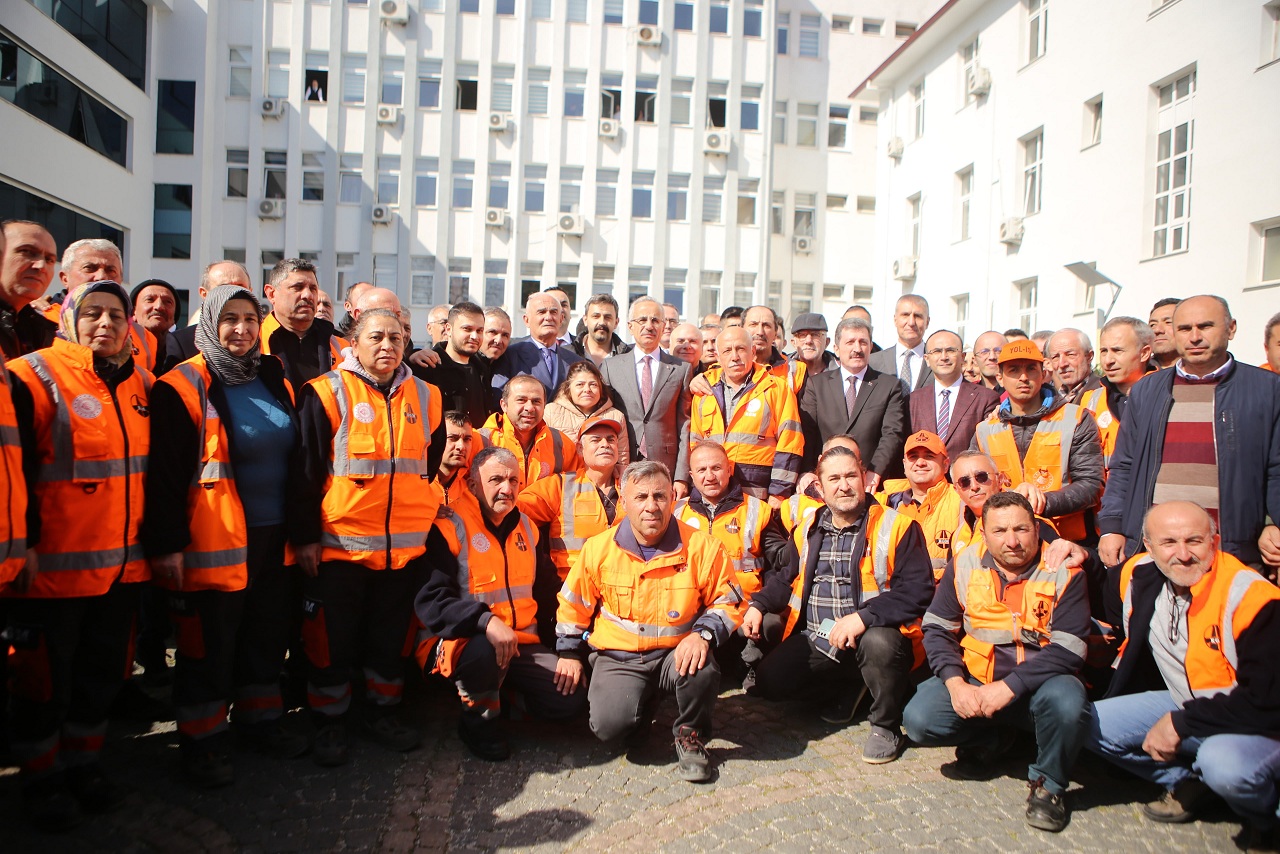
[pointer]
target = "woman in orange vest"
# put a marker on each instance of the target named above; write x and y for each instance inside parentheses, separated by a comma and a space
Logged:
(214, 532)
(85, 426)
(365, 505)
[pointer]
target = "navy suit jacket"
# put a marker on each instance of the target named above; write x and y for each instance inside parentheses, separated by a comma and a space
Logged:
(525, 357)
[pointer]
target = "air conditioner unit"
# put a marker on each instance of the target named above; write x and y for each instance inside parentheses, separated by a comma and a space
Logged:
(495, 217)
(904, 269)
(803, 244)
(1011, 231)
(271, 209)
(273, 107)
(388, 115)
(716, 142)
(895, 148)
(609, 128)
(498, 122)
(980, 82)
(570, 225)
(649, 35)
(394, 11)
(383, 214)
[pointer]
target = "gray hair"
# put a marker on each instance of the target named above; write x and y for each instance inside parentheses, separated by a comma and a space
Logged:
(643, 470)
(851, 323)
(368, 316)
(1083, 338)
(285, 266)
(1140, 328)
(497, 311)
(631, 308)
(204, 275)
(502, 455)
(969, 455)
(916, 298)
(90, 244)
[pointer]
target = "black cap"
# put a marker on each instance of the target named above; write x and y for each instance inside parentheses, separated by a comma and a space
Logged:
(138, 288)
(809, 321)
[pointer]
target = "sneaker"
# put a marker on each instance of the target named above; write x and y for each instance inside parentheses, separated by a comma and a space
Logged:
(1180, 804)
(882, 746)
(1045, 810)
(49, 805)
(332, 745)
(386, 728)
(207, 767)
(693, 763)
(93, 789)
(485, 739)
(274, 738)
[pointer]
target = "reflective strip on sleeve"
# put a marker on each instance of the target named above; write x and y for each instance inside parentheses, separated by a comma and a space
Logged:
(646, 629)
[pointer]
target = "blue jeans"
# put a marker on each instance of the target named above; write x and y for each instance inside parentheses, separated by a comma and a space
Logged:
(1054, 712)
(1241, 769)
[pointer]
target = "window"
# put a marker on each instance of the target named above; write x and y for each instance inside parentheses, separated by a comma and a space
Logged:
(346, 264)
(681, 88)
(429, 84)
(495, 282)
(350, 182)
(469, 7)
(1037, 28)
(176, 117)
(841, 23)
(392, 81)
(1270, 32)
(575, 96)
(422, 280)
(807, 125)
(1032, 172)
(385, 271)
(172, 221)
(778, 213)
(535, 188)
(540, 10)
(388, 179)
(274, 174)
(683, 20)
(837, 126)
(606, 192)
(709, 293)
(719, 18)
(270, 257)
(744, 288)
(915, 207)
(805, 218)
(673, 287)
(1271, 254)
(917, 109)
(505, 7)
(810, 35)
(780, 122)
(576, 11)
(832, 292)
(462, 183)
(784, 30)
(646, 99)
(712, 197)
(539, 92)
(610, 96)
(237, 173)
(969, 70)
(1028, 300)
(801, 298)
(868, 115)
(1175, 139)
(752, 22)
(502, 94)
(278, 73)
(1093, 121)
(240, 72)
(642, 195)
(747, 189)
(425, 175)
(648, 15)
(613, 11)
(964, 196)
(312, 177)
(115, 30)
(865, 204)
(903, 30)
(570, 188)
(749, 115)
(467, 88)
(961, 306)
(316, 81)
(872, 26)
(353, 68)
(837, 202)
(677, 197)
(499, 184)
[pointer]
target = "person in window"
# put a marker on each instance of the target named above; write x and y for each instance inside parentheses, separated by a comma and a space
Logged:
(314, 92)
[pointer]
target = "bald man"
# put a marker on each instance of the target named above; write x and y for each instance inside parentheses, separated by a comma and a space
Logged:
(686, 343)
(376, 298)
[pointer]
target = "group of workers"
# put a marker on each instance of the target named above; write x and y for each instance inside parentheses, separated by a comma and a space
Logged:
(572, 526)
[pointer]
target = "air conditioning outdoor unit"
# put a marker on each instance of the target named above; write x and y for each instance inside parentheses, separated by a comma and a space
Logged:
(498, 122)
(570, 225)
(272, 107)
(980, 83)
(383, 214)
(904, 269)
(895, 148)
(271, 209)
(394, 11)
(495, 217)
(804, 244)
(609, 128)
(716, 142)
(388, 115)
(647, 34)
(1011, 231)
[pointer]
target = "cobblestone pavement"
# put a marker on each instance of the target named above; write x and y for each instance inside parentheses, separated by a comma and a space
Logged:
(787, 782)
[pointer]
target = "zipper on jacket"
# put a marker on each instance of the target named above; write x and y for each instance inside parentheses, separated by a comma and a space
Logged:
(506, 580)
(391, 482)
(115, 401)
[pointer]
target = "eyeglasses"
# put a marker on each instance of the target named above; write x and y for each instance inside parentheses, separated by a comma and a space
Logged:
(989, 351)
(648, 321)
(981, 478)
(1175, 617)
(938, 351)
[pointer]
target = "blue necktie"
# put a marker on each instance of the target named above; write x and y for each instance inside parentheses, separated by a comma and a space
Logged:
(549, 356)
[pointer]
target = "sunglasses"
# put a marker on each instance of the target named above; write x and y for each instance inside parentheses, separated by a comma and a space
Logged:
(981, 478)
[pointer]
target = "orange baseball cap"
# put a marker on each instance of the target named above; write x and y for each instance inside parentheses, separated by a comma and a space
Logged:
(1025, 350)
(595, 421)
(927, 440)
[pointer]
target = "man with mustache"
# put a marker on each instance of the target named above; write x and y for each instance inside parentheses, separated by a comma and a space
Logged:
(155, 306)
(306, 344)
(600, 341)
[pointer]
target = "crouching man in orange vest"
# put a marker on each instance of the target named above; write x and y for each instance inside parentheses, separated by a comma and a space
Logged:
(478, 601)
(666, 597)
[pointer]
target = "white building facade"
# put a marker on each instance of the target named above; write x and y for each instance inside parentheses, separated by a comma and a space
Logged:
(1131, 140)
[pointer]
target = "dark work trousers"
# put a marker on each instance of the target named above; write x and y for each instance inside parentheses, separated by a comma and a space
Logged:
(231, 644)
(750, 652)
(531, 674)
(624, 684)
(881, 660)
(356, 615)
(70, 659)
(154, 629)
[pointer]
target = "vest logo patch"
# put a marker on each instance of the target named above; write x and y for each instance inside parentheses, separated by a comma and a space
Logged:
(733, 527)
(140, 407)
(1104, 420)
(694, 522)
(942, 539)
(480, 542)
(520, 543)
(363, 412)
(86, 406)
(1041, 477)
(411, 416)
(1041, 611)
(673, 614)
(1213, 638)
(753, 406)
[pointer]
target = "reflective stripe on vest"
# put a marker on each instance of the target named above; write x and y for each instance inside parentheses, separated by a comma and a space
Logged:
(996, 440)
(13, 539)
(569, 541)
(344, 466)
(1095, 400)
(750, 531)
(879, 560)
(490, 598)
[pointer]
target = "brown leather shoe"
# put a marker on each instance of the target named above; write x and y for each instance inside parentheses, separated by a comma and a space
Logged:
(1179, 804)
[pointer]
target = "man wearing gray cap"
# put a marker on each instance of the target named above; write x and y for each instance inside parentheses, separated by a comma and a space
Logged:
(809, 339)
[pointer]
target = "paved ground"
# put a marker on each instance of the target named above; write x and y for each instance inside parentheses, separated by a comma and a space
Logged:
(787, 782)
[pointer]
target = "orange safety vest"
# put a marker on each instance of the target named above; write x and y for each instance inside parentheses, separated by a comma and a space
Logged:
(798, 510)
(1223, 605)
(552, 452)
(790, 371)
(13, 523)
(1095, 400)
(270, 324)
(989, 623)
(145, 345)
(647, 605)
(1045, 465)
(885, 528)
(966, 534)
(93, 465)
(937, 517)
(765, 421)
(458, 488)
(378, 500)
(739, 532)
(570, 506)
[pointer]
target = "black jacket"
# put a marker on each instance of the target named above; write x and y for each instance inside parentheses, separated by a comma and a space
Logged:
(24, 331)
(307, 357)
(616, 346)
(462, 387)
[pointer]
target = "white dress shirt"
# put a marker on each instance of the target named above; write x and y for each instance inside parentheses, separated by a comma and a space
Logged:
(951, 401)
(917, 363)
(654, 359)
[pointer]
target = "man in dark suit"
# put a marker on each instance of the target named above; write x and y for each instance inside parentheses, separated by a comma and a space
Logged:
(181, 343)
(905, 360)
(652, 389)
(856, 400)
(540, 355)
(946, 404)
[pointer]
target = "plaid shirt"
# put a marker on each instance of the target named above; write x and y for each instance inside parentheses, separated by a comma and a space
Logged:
(834, 593)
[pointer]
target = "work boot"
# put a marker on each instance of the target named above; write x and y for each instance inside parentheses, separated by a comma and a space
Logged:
(1045, 810)
(484, 738)
(332, 745)
(49, 805)
(693, 763)
(92, 788)
(385, 727)
(1179, 804)
(207, 766)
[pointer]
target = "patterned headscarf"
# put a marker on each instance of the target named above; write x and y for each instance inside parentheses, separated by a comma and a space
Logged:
(228, 368)
(71, 315)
